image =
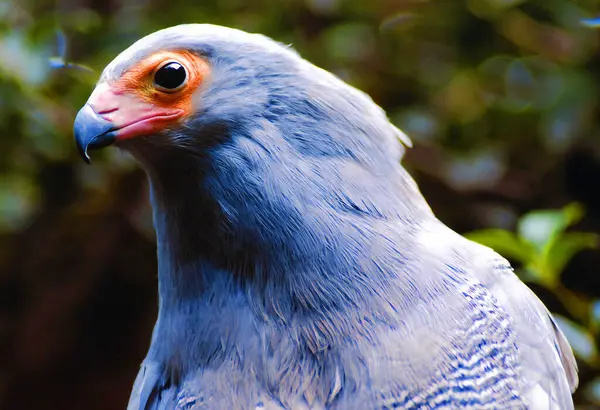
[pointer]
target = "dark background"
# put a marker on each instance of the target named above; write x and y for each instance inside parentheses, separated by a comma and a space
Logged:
(500, 98)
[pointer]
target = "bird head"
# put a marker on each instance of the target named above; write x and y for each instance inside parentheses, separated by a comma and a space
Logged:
(191, 86)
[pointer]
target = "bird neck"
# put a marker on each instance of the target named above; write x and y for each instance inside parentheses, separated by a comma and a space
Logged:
(242, 248)
(235, 221)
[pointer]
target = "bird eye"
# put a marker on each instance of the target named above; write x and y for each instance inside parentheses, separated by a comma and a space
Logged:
(170, 77)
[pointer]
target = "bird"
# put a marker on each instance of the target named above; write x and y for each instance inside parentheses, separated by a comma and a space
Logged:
(299, 265)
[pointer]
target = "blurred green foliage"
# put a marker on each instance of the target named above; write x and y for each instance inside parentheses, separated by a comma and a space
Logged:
(500, 98)
(541, 243)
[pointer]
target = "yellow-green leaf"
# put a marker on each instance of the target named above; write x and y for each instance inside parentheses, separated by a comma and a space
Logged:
(506, 243)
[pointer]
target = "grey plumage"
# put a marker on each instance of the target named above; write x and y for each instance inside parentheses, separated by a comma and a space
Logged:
(300, 267)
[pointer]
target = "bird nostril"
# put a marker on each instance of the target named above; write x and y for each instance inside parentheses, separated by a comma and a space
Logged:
(106, 111)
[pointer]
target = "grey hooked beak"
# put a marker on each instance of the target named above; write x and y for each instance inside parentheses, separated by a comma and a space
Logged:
(92, 131)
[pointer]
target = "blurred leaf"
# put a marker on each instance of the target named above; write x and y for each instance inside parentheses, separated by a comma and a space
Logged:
(477, 170)
(541, 227)
(17, 201)
(504, 242)
(591, 22)
(592, 391)
(350, 42)
(579, 338)
(463, 98)
(21, 61)
(578, 306)
(541, 244)
(399, 21)
(595, 312)
(563, 248)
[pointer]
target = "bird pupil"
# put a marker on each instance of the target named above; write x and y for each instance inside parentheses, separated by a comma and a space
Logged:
(170, 76)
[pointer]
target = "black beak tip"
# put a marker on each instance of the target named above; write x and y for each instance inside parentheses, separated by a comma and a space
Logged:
(83, 153)
(91, 131)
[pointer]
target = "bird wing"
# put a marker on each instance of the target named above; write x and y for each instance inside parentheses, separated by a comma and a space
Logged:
(548, 370)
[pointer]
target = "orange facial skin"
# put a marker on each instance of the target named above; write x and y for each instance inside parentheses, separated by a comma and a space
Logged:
(136, 106)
